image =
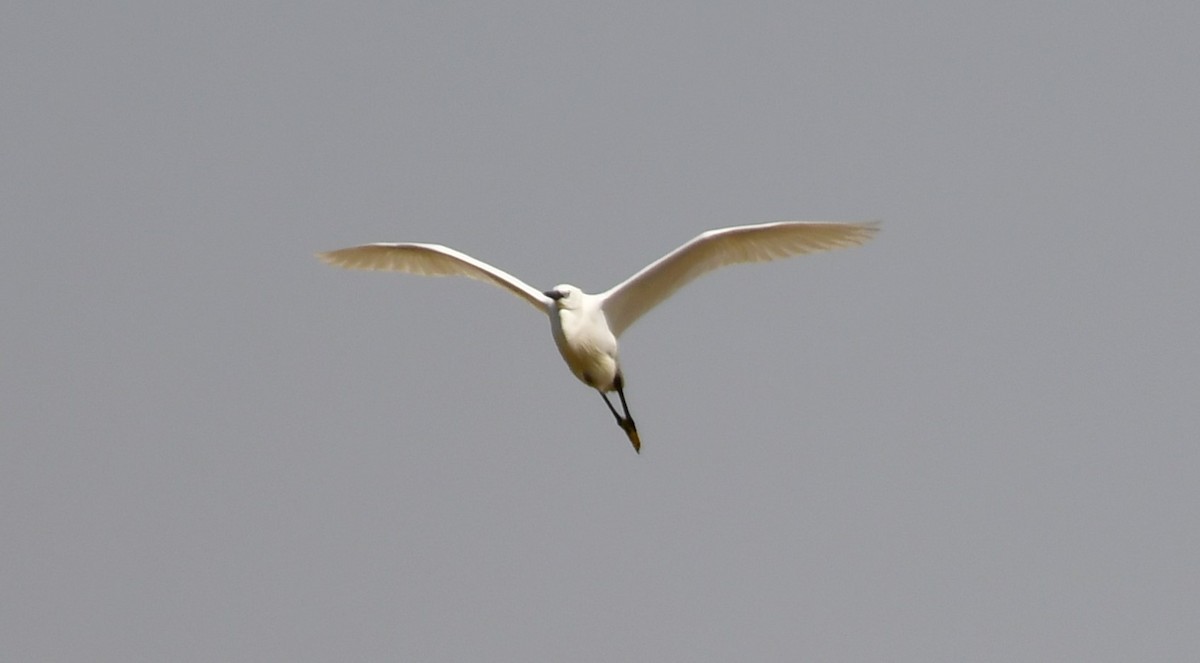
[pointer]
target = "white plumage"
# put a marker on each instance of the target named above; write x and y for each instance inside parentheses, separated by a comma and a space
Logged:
(585, 327)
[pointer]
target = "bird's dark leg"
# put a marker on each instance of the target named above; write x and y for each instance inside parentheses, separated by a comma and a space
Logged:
(619, 384)
(610, 407)
(625, 422)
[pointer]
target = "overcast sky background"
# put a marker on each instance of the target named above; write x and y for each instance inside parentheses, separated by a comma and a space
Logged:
(975, 438)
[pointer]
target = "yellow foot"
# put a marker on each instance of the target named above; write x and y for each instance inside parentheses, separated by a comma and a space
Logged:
(633, 437)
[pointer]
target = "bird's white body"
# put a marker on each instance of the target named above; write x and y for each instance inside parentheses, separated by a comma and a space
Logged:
(584, 339)
(586, 327)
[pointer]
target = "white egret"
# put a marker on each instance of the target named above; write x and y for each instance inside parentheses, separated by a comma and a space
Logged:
(586, 327)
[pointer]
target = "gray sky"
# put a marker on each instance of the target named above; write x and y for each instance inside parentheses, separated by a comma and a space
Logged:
(973, 439)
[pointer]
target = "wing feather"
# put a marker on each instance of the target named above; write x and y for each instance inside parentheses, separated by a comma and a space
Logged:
(632, 298)
(432, 260)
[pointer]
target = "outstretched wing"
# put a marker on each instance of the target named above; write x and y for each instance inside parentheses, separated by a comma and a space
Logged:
(432, 260)
(629, 300)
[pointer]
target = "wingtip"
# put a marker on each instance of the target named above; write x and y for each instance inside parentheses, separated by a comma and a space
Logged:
(335, 258)
(869, 226)
(864, 231)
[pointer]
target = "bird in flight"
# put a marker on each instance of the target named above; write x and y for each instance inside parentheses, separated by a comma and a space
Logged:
(586, 327)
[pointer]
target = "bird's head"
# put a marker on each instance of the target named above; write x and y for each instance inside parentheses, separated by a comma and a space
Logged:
(565, 296)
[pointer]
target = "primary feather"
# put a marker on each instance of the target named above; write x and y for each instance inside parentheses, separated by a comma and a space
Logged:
(632, 298)
(432, 260)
